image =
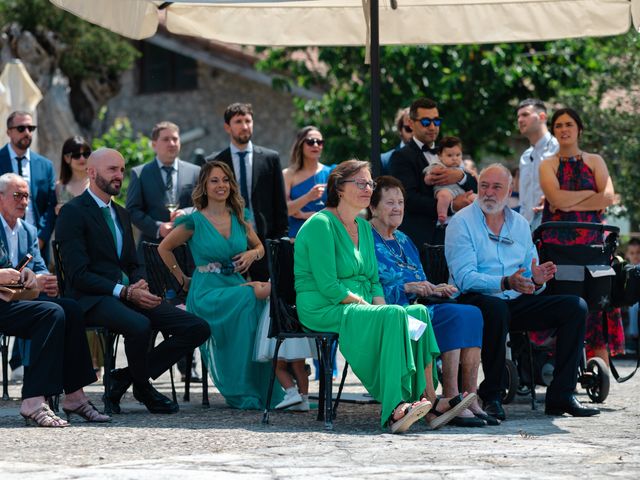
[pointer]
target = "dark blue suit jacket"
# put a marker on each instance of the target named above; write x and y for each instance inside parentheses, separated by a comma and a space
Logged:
(42, 190)
(28, 243)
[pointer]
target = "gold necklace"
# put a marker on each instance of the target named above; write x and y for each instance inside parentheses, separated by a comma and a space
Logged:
(353, 234)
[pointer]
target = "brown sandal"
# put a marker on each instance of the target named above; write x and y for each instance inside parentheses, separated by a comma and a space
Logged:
(412, 414)
(89, 412)
(43, 416)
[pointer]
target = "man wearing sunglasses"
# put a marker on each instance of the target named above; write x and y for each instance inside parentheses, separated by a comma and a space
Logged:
(259, 174)
(17, 157)
(408, 164)
(493, 263)
(405, 132)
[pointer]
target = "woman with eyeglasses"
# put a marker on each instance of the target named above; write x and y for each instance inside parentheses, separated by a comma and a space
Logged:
(305, 179)
(338, 290)
(224, 245)
(578, 188)
(458, 328)
(73, 170)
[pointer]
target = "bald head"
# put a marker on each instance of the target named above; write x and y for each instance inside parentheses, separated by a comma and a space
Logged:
(494, 188)
(105, 168)
(499, 169)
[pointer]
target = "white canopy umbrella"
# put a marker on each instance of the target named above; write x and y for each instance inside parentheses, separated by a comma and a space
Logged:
(17, 92)
(363, 22)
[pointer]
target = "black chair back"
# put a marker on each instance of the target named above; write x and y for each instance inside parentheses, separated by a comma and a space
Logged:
(57, 258)
(284, 317)
(161, 281)
(434, 263)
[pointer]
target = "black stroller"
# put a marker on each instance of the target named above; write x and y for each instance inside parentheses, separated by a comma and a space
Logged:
(595, 274)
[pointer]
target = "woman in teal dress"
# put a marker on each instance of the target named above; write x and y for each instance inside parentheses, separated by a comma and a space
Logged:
(224, 246)
(338, 290)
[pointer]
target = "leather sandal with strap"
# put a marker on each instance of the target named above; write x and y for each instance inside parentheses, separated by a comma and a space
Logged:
(412, 414)
(43, 416)
(89, 412)
(456, 404)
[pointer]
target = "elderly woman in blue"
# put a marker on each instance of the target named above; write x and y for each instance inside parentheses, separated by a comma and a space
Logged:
(458, 328)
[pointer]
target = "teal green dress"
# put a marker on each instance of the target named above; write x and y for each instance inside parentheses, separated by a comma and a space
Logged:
(232, 312)
(374, 339)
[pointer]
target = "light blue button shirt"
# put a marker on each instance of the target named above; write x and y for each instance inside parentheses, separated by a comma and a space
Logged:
(478, 262)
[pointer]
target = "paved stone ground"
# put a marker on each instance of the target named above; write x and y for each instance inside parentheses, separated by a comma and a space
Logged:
(199, 443)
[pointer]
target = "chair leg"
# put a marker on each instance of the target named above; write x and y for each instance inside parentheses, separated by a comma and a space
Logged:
(187, 376)
(321, 378)
(342, 380)
(205, 383)
(531, 372)
(5, 367)
(272, 379)
(107, 340)
(328, 383)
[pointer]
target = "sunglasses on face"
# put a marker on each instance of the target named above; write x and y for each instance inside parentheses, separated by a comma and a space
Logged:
(314, 141)
(22, 128)
(425, 122)
(407, 128)
(77, 155)
(17, 196)
(362, 184)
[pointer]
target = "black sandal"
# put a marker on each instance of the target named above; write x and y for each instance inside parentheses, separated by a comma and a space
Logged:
(456, 404)
(412, 414)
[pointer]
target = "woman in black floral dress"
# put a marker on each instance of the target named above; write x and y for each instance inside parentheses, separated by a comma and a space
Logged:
(577, 188)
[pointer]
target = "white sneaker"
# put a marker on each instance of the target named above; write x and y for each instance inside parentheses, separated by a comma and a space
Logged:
(18, 374)
(291, 397)
(303, 406)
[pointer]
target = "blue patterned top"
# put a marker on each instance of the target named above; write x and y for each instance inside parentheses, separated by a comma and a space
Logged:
(301, 189)
(398, 263)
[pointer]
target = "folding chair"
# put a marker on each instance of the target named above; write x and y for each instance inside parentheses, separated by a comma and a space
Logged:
(4, 350)
(108, 340)
(286, 324)
(161, 282)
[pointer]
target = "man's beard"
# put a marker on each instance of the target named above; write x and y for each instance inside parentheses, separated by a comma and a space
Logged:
(494, 206)
(106, 186)
(24, 143)
(242, 139)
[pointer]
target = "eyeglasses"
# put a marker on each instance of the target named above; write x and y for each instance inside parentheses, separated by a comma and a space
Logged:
(407, 128)
(22, 128)
(314, 141)
(77, 155)
(361, 184)
(17, 196)
(425, 122)
(499, 239)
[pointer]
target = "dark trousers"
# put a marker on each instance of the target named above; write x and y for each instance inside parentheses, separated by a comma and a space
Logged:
(136, 325)
(564, 313)
(59, 356)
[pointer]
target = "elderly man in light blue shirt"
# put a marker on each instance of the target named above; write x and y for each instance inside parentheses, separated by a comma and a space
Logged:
(494, 264)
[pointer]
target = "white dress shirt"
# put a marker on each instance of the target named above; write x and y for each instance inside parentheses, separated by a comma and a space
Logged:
(26, 174)
(248, 160)
(529, 185)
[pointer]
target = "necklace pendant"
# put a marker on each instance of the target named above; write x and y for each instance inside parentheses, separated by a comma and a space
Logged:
(417, 276)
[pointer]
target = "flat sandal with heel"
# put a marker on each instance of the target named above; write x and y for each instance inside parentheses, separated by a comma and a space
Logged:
(43, 416)
(456, 404)
(412, 414)
(89, 412)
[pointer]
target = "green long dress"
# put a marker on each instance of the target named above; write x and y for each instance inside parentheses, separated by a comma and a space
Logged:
(232, 311)
(374, 339)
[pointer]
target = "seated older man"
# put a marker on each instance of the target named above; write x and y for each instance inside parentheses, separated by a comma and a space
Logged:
(493, 262)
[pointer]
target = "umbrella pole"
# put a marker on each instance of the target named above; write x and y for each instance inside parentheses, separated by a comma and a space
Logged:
(375, 88)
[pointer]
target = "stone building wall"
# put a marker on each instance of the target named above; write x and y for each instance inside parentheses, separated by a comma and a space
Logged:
(204, 108)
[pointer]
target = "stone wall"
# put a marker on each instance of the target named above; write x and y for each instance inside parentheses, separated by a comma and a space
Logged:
(204, 108)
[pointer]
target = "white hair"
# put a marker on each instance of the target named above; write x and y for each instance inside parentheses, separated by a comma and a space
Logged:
(9, 178)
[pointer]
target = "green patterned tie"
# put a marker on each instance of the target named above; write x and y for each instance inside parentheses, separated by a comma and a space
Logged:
(106, 213)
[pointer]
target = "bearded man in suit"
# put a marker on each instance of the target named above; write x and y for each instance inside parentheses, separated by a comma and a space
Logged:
(259, 174)
(104, 276)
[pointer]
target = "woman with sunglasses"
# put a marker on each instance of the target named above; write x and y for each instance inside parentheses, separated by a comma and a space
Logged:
(305, 179)
(338, 290)
(73, 170)
(458, 328)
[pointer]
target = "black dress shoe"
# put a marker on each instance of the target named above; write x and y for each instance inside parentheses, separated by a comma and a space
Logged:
(493, 421)
(120, 382)
(467, 422)
(494, 409)
(153, 399)
(571, 406)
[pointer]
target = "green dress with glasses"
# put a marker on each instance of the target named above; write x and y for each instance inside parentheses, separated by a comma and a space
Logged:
(217, 295)
(374, 339)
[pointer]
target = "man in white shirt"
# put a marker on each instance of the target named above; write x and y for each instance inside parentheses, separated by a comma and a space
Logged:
(532, 122)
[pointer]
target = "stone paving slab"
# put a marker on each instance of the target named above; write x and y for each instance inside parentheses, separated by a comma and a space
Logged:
(225, 443)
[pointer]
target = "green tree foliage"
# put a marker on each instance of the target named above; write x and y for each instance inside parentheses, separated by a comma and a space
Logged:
(89, 51)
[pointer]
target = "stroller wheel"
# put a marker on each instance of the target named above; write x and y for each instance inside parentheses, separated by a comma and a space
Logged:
(513, 381)
(597, 380)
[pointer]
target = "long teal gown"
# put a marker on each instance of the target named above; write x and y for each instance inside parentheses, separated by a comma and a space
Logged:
(374, 339)
(232, 312)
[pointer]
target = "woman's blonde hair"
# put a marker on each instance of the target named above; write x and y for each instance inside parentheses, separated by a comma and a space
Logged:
(234, 202)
